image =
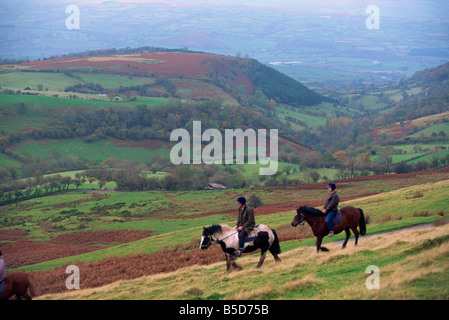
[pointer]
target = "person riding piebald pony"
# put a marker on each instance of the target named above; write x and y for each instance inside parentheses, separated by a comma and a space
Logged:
(245, 223)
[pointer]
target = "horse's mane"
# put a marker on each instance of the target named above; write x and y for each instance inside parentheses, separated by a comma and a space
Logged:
(220, 228)
(313, 211)
(214, 228)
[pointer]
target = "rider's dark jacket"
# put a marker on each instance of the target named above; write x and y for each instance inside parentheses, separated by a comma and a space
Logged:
(332, 201)
(246, 218)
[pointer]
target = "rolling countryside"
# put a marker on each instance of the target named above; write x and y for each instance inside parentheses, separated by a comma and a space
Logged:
(86, 178)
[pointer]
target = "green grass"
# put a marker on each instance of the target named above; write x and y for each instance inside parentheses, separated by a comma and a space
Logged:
(6, 161)
(406, 202)
(10, 101)
(94, 152)
(112, 81)
(388, 211)
(369, 102)
(21, 80)
(165, 214)
(411, 264)
(311, 121)
(57, 82)
(41, 109)
(436, 128)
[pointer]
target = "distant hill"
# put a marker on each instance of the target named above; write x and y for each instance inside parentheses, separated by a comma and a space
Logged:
(229, 73)
(77, 111)
(431, 87)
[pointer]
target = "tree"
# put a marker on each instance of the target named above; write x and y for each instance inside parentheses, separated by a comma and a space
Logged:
(21, 108)
(288, 169)
(385, 160)
(254, 201)
(65, 181)
(169, 182)
(312, 176)
(340, 156)
(77, 183)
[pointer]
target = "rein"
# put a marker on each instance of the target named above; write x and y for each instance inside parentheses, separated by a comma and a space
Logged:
(227, 236)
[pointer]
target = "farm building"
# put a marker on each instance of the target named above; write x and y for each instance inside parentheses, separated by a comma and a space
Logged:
(216, 186)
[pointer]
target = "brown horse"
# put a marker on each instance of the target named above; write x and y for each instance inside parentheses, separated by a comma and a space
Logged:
(351, 218)
(17, 283)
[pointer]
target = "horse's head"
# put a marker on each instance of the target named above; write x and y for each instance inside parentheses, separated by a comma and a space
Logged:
(298, 218)
(206, 239)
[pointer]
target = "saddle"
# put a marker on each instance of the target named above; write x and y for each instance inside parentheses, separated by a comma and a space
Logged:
(337, 218)
(253, 234)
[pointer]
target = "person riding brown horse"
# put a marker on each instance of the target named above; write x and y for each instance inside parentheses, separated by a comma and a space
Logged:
(2, 273)
(16, 283)
(331, 207)
(351, 218)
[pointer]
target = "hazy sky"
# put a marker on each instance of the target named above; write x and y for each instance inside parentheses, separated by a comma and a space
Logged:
(269, 30)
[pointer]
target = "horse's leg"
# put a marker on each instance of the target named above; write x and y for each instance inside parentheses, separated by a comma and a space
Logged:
(356, 234)
(26, 295)
(235, 265)
(228, 261)
(262, 259)
(348, 234)
(319, 239)
(276, 257)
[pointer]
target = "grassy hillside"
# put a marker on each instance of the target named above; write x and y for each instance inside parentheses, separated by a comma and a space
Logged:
(75, 224)
(303, 274)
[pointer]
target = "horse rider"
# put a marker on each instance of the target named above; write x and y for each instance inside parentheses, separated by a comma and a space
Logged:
(2, 272)
(331, 206)
(245, 223)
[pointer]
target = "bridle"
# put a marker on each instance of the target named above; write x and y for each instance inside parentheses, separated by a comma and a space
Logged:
(209, 236)
(302, 219)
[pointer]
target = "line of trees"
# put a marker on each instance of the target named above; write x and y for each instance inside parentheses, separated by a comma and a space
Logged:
(39, 185)
(143, 122)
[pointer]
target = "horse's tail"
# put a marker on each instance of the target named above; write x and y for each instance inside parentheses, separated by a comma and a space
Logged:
(275, 247)
(31, 286)
(362, 223)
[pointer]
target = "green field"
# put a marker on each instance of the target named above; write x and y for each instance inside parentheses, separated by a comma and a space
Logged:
(54, 81)
(39, 110)
(94, 152)
(433, 129)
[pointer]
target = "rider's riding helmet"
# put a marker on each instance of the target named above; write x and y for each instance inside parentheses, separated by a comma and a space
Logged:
(241, 200)
(332, 185)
